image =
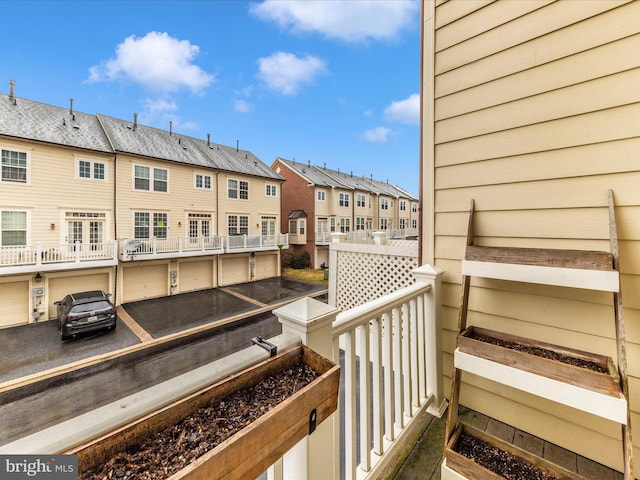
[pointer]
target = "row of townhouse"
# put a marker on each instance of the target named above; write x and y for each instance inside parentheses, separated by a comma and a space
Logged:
(318, 201)
(94, 202)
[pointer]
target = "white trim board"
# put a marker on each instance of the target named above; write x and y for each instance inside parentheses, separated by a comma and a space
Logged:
(606, 406)
(604, 280)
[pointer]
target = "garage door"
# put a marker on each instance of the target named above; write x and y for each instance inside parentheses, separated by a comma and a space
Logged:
(59, 287)
(14, 310)
(195, 275)
(144, 282)
(234, 270)
(266, 266)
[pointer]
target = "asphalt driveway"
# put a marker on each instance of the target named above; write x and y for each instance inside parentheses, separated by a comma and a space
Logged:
(32, 348)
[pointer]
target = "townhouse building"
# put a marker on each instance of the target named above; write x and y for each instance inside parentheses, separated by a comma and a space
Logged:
(94, 202)
(317, 201)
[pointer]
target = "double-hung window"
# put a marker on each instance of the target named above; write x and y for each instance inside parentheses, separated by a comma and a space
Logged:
(345, 225)
(238, 189)
(360, 200)
(13, 228)
(203, 181)
(143, 175)
(403, 205)
(238, 225)
(322, 195)
(359, 223)
(343, 200)
(150, 224)
(272, 190)
(91, 170)
(14, 166)
(384, 204)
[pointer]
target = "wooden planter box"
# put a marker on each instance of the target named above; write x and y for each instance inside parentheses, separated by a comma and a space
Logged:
(606, 383)
(250, 451)
(469, 469)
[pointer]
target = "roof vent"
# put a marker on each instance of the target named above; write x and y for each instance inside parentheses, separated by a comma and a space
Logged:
(71, 106)
(135, 121)
(12, 84)
(170, 127)
(309, 163)
(209, 140)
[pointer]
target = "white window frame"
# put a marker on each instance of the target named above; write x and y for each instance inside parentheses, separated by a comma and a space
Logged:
(202, 179)
(92, 170)
(414, 207)
(343, 199)
(361, 200)
(238, 189)
(360, 223)
(321, 196)
(403, 205)
(151, 225)
(27, 159)
(151, 179)
(238, 226)
(384, 204)
(345, 224)
(26, 226)
(271, 190)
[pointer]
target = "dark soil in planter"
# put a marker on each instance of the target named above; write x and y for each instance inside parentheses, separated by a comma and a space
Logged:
(499, 461)
(541, 352)
(172, 449)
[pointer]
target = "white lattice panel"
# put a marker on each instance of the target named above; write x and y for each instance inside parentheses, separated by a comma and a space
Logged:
(362, 277)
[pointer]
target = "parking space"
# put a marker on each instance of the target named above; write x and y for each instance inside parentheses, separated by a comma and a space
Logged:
(28, 349)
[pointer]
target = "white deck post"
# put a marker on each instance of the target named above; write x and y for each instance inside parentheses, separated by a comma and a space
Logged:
(311, 458)
(433, 333)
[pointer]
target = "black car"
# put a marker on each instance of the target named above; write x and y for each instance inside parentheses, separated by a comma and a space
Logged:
(85, 312)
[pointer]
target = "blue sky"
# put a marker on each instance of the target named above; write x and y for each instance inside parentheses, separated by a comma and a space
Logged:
(327, 81)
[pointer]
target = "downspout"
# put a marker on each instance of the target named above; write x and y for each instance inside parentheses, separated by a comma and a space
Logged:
(217, 227)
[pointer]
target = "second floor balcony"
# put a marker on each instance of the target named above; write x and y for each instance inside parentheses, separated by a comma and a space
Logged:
(46, 257)
(157, 248)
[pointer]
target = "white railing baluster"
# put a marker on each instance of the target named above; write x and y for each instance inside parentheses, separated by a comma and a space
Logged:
(422, 368)
(416, 380)
(365, 387)
(389, 387)
(398, 366)
(376, 385)
(406, 361)
(350, 440)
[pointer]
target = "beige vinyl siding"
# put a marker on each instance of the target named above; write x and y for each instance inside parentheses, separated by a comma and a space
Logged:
(181, 197)
(322, 208)
(53, 188)
(536, 111)
(255, 207)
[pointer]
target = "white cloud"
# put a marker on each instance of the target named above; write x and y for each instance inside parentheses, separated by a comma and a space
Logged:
(404, 111)
(156, 61)
(286, 72)
(242, 106)
(160, 111)
(348, 20)
(377, 135)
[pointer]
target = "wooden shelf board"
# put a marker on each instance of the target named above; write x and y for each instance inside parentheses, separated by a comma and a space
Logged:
(604, 280)
(613, 408)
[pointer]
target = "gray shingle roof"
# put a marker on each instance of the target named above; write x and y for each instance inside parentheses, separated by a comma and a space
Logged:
(29, 120)
(162, 144)
(326, 177)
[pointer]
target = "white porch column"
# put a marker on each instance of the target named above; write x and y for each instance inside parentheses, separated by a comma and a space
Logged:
(317, 456)
(433, 333)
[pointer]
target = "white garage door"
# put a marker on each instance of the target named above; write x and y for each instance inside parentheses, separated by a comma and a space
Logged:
(144, 282)
(59, 287)
(195, 275)
(14, 309)
(234, 270)
(266, 266)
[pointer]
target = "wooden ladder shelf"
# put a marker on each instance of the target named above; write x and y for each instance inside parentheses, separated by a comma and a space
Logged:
(602, 394)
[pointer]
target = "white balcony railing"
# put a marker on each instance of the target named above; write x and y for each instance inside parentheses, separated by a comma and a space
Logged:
(398, 338)
(43, 256)
(324, 238)
(239, 243)
(140, 249)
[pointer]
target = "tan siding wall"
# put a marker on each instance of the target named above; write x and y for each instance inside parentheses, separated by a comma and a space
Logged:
(258, 204)
(53, 187)
(536, 116)
(182, 196)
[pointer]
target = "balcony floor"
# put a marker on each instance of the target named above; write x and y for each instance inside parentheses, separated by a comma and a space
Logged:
(423, 461)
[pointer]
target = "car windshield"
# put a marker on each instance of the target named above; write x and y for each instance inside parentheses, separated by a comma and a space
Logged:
(91, 306)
